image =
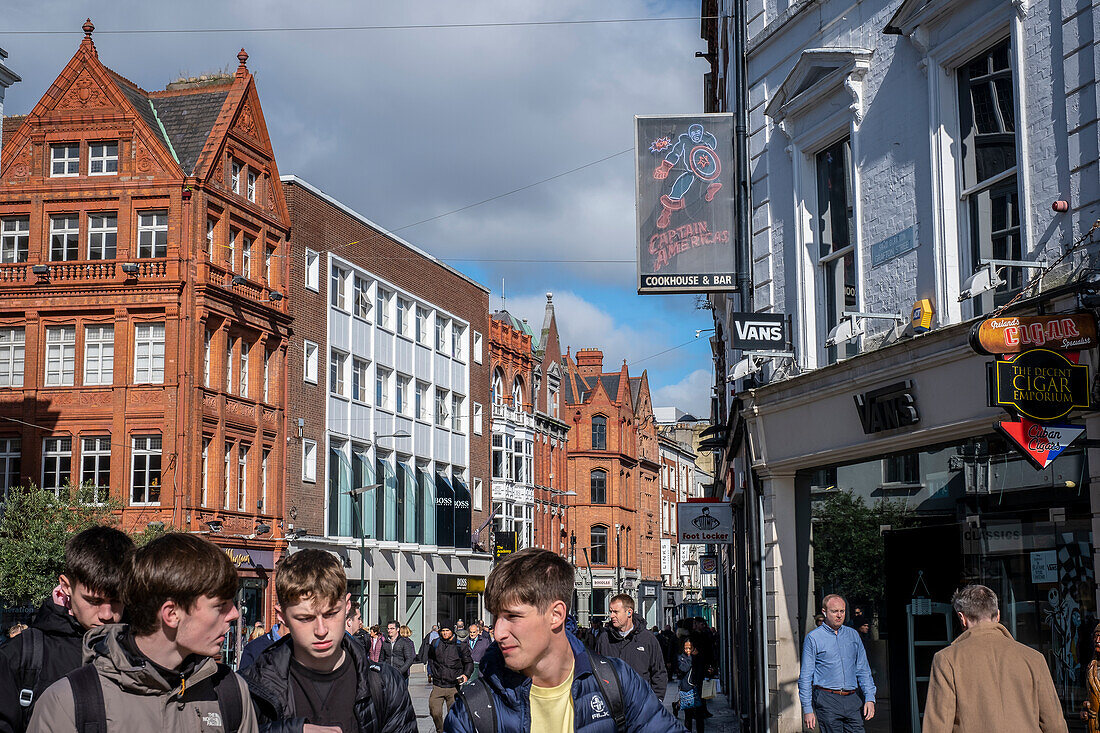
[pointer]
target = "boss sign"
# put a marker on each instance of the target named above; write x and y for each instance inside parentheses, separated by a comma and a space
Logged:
(758, 331)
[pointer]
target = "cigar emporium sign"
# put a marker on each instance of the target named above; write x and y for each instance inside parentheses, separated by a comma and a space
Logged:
(1038, 378)
(684, 189)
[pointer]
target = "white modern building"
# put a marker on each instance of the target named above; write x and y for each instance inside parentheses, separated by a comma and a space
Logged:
(392, 363)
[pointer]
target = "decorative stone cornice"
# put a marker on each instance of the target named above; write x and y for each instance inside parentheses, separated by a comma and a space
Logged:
(817, 74)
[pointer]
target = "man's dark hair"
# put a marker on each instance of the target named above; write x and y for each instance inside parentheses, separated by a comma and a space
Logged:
(393, 623)
(96, 558)
(532, 576)
(354, 609)
(178, 567)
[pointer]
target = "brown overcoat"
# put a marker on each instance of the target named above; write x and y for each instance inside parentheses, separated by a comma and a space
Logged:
(988, 681)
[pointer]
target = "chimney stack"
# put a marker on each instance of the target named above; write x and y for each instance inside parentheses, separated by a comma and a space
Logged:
(589, 362)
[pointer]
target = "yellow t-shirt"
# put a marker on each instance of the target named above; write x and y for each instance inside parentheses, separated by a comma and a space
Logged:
(552, 707)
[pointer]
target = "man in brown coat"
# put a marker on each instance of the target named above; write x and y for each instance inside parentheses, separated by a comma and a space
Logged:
(986, 680)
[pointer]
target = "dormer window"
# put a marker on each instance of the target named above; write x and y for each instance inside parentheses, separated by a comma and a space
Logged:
(64, 160)
(103, 159)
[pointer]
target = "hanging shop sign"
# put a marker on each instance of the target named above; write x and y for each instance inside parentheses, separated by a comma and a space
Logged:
(704, 522)
(504, 543)
(887, 408)
(1041, 384)
(922, 315)
(1040, 444)
(708, 564)
(1014, 334)
(758, 331)
(684, 189)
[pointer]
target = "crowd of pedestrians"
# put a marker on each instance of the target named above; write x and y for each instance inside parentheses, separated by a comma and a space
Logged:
(131, 637)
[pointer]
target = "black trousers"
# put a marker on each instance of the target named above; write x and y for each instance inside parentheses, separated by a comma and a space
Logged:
(838, 713)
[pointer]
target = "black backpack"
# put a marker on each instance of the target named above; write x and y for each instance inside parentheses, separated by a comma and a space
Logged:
(90, 712)
(31, 655)
(478, 698)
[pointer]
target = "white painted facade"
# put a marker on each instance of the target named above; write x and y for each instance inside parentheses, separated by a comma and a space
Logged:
(885, 77)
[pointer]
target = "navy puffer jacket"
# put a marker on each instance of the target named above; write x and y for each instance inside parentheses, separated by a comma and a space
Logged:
(591, 712)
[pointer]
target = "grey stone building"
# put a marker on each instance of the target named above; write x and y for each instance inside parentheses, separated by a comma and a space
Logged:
(893, 148)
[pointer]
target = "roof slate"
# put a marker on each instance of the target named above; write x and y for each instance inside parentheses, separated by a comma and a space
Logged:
(140, 102)
(188, 120)
(610, 384)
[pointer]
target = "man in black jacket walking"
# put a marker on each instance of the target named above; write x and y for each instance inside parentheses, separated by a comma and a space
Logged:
(629, 640)
(318, 677)
(88, 596)
(398, 651)
(449, 666)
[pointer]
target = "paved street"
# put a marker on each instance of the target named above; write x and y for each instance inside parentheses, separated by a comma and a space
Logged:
(724, 720)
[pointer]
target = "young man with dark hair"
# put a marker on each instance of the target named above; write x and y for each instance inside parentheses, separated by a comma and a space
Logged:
(158, 672)
(537, 676)
(629, 640)
(317, 679)
(449, 666)
(87, 596)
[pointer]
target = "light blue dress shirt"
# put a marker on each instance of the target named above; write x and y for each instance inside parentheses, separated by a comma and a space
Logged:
(836, 660)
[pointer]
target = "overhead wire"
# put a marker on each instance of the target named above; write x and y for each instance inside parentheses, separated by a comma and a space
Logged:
(378, 27)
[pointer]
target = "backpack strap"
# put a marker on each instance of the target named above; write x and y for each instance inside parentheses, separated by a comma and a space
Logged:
(30, 669)
(89, 710)
(607, 679)
(377, 694)
(228, 692)
(478, 700)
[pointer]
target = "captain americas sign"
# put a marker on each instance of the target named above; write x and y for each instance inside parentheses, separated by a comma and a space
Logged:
(683, 169)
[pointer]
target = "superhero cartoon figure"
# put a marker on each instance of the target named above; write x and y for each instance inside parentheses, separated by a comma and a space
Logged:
(696, 150)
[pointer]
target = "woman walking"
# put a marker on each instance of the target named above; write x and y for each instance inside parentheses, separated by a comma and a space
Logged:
(692, 671)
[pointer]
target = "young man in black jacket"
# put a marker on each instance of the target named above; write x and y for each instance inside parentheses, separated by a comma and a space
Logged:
(629, 640)
(88, 596)
(317, 679)
(449, 666)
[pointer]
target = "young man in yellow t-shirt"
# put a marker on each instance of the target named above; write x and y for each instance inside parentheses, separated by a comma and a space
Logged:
(537, 676)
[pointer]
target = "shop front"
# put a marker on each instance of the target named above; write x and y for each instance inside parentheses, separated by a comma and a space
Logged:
(884, 478)
(255, 596)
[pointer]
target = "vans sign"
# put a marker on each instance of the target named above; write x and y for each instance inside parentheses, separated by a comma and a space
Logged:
(758, 331)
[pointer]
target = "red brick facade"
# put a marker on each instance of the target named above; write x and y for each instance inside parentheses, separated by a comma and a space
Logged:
(106, 192)
(615, 474)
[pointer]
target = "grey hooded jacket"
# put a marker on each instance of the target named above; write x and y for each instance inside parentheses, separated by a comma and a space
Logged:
(136, 696)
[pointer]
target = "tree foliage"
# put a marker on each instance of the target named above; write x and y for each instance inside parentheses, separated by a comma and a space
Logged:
(34, 527)
(848, 545)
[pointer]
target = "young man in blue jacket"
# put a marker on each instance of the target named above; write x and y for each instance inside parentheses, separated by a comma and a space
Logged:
(538, 677)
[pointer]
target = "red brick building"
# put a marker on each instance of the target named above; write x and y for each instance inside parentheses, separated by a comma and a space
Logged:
(387, 385)
(143, 336)
(614, 465)
(530, 476)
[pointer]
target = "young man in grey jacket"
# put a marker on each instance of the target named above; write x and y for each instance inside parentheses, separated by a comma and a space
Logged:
(158, 672)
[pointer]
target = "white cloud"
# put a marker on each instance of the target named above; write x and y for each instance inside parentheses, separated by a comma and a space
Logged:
(691, 394)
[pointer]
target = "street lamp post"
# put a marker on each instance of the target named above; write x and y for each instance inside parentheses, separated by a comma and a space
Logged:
(357, 494)
(559, 508)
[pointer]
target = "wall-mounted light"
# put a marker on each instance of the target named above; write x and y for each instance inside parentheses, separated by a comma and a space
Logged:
(130, 268)
(41, 270)
(238, 280)
(155, 526)
(850, 326)
(301, 426)
(262, 528)
(988, 278)
(214, 525)
(275, 296)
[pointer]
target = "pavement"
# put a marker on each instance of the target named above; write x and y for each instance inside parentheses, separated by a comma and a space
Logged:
(724, 720)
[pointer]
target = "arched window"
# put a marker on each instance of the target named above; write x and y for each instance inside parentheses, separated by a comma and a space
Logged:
(598, 551)
(497, 387)
(517, 394)
(599, 486)
(599, 432)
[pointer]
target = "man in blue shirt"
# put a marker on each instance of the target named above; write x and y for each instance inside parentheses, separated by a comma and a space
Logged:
(834, 670)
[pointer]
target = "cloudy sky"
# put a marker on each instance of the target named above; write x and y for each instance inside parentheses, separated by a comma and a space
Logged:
(405, 124)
